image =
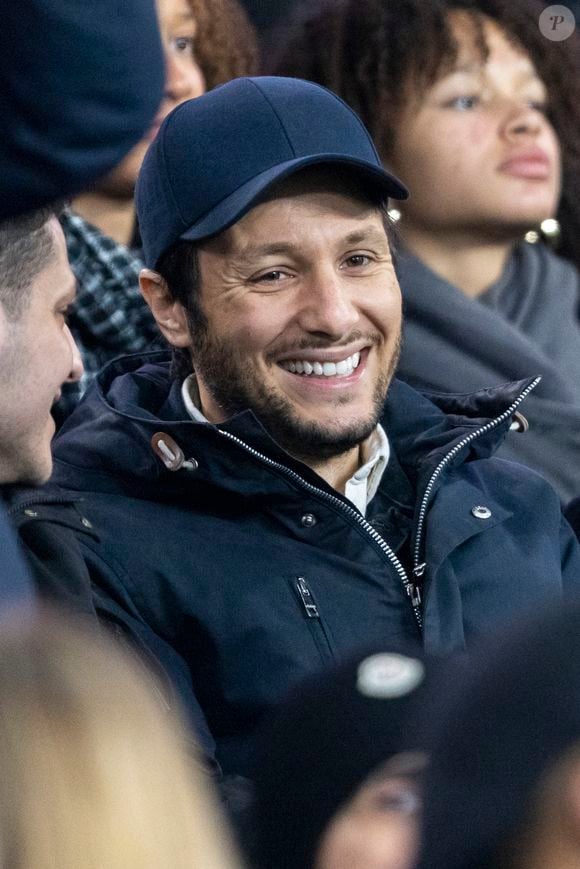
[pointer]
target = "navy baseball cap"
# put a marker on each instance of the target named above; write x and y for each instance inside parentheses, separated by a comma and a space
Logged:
(216, 155)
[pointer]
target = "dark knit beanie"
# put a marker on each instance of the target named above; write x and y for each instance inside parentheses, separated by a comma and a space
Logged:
(320, 745)
(507, 720)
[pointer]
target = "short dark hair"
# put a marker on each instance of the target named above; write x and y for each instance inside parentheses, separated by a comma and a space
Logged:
(26, 247)
(371, 52)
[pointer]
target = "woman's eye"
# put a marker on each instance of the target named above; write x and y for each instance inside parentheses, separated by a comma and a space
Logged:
(538, 106)
(184, 44)
(463, 103)
(406, 802)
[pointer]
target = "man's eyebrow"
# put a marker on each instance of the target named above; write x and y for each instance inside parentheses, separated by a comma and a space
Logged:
(252, 253)
(370, 234)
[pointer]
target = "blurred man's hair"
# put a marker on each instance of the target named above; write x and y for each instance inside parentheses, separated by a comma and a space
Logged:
(26, 247)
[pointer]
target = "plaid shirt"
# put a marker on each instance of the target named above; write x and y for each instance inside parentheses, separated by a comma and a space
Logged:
(109, 317)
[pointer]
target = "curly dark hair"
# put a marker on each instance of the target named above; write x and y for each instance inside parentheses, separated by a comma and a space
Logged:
(226, 44)
(371, 51)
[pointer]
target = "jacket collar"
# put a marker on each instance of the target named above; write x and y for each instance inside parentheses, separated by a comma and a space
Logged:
(134, 398)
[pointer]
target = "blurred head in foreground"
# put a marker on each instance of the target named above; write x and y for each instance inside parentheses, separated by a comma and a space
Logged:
(93, 767)
(337, 775)
(502, 790)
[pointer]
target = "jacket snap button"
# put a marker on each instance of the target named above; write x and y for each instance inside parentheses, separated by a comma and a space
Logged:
(86, 522)
(481, 512)
(32, 513)
(309, 520)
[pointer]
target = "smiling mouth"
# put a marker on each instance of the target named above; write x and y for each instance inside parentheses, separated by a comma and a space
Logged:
(307, 368)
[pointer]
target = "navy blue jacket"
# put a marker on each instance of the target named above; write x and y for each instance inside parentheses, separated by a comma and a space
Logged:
(16, 588)
(242, 570)
(573, 515)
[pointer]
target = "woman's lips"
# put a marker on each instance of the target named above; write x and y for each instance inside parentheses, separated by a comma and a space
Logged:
(534, 164)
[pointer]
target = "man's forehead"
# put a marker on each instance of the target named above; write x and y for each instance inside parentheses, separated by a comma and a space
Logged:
(276, 222)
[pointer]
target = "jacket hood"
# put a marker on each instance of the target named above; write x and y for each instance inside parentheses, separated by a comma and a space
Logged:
(109, 434)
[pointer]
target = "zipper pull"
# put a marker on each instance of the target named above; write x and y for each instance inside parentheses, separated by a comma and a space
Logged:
(307, 599)
(414, 593)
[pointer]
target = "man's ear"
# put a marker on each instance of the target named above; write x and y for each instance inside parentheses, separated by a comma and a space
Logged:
(169, 314)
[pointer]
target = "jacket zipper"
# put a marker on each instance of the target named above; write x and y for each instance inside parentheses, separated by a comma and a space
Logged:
(412, 589)
(313, 618)
(418, 566)
(33, 501)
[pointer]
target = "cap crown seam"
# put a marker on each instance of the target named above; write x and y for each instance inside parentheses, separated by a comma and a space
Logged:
(166, 172)
(362, 127)
(277, 116)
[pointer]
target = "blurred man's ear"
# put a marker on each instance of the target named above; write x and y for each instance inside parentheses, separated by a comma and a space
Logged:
(169, 314)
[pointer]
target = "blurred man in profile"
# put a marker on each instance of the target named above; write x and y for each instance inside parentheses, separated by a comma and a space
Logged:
(37, 355)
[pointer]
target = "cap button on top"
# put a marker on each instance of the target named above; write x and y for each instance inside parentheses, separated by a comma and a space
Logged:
(481, 512)
(309, 520)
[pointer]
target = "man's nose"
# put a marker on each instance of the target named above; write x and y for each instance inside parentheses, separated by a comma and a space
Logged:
(328, 306)
(77, 368)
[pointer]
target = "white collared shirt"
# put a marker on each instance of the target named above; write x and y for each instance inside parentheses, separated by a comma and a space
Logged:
(375, 451)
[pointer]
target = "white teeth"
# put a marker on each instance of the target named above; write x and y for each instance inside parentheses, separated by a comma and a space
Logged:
(327, 369)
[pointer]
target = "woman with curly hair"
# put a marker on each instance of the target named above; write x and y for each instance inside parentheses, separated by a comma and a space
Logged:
(479, 114)
(206, 43)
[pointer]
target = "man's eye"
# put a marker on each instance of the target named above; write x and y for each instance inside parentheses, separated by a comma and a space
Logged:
(463, 103)
(270, 277)
(356, 260)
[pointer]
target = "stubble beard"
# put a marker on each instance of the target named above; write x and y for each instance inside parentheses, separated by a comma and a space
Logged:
(236, 389)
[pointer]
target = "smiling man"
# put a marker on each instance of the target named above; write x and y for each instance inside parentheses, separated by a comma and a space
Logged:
(265, 498)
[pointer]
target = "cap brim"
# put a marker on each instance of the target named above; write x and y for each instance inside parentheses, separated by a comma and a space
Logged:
(231, 209)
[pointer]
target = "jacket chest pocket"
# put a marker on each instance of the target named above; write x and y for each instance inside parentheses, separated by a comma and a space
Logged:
(311, 613)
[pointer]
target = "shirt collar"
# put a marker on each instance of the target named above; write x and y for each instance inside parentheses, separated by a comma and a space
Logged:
(191, 399)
